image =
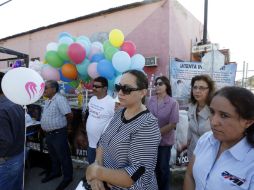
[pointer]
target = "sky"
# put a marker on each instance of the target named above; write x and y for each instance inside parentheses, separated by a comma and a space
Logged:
(229, 21)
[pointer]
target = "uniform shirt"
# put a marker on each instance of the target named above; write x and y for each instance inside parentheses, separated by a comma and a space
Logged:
(233, 170)
(12, 128)
(199, 124)
(132, 145)
(166, 112)
(54, 111)
(101, 112)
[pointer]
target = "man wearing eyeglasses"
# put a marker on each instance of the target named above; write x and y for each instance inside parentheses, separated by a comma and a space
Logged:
(101, 110)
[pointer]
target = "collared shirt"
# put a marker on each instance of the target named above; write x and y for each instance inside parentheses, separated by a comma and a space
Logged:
(199, 124)
(233, 170)
(167, 112)
(132, 145)
(54, 111)
(12, 128)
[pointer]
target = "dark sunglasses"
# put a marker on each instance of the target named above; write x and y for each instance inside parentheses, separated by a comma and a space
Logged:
(158, 84)
(126, 90)
(97, 86)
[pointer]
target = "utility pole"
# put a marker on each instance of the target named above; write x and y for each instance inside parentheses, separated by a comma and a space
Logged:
(205, 22)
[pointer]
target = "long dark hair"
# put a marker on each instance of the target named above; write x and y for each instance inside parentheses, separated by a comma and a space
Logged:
(166, 81)
(210, 84)
(243, 101)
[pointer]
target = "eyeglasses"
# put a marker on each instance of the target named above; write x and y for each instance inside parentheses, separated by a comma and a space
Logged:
(201, 88)
(97, 86)
(126, 90)
(158, 84)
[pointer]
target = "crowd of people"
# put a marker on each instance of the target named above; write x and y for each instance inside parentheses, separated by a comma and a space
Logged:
(130, 141)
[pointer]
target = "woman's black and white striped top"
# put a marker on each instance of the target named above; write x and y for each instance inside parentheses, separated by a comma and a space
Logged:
(132, 145)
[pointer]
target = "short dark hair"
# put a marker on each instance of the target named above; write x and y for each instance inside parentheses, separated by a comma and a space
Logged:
(243, 102)
(102, 80)
(1, 77)
(141, 80)
(54, 84)
(210, 84)
(166, 81)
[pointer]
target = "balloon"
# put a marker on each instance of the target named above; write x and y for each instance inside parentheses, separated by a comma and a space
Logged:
(129, 47)
(22, 86)
(86, 45)
(85, 78)
(68, 89)
(105, 69)
(121, 61)
(106, 44)
(69, 71)
(64, 34)
(62, 52)
(62, 78)
(82, 67)
(65, 40)
(36, 65)
(109, 52)
(94, 50)
(76, 53)
(84, 38)
(98, 45)
(74, 83)
(137, 62)
(53, 59)
(92, 70)
(50, 73)
(97, 57)
(116, 37)
(17, 64)
(52, 46)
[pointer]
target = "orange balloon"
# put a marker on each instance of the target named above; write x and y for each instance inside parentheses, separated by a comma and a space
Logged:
(69, 71)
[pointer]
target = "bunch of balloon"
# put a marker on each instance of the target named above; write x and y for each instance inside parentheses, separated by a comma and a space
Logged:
(78, 59)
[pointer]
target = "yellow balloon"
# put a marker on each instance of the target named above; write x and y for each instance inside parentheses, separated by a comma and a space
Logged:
(116, 37)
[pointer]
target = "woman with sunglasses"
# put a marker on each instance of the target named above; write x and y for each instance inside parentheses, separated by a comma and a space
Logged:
(202, 89)
(127, 151)
(166, 109)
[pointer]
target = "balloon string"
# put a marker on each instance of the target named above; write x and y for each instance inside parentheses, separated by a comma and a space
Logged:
(24, 157)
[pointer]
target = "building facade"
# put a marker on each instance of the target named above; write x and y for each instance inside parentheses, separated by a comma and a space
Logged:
(159, 28)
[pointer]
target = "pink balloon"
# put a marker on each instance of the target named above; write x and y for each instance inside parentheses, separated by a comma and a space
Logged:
(92, 70)
(129, 47)
(76, 53)
(50, 73)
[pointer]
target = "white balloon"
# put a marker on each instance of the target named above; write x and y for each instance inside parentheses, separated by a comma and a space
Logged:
(137, 62)
(52, 46)
(23, 86)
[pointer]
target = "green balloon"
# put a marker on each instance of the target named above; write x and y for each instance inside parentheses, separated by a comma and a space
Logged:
(53, 59)
(62, 52)
(85, 78)
(106, 45)
(74, 83)
(109, 52)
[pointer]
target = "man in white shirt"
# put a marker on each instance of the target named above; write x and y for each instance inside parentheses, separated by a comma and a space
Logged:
(101, 110)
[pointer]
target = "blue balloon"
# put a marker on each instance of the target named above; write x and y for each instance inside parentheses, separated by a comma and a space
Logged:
(62, 78)
(64, 34)
(106, 69)
(97, 57)
(69, 89)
